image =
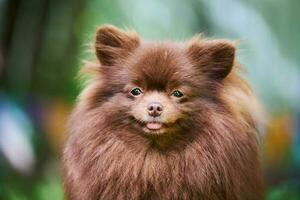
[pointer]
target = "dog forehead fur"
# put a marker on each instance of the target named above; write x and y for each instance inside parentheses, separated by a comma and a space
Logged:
(160, 64)
(215, 157)
(156, 66)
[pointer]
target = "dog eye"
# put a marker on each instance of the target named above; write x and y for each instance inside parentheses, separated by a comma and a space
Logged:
(136, 91)
(177, 94)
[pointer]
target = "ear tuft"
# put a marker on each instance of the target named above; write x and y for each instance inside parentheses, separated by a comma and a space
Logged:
(213, 57)
(113, 44)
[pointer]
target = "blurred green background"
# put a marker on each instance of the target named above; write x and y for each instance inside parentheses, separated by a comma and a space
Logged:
(43, 44)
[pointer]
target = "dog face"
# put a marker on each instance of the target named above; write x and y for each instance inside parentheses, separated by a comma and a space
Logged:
(158, 88)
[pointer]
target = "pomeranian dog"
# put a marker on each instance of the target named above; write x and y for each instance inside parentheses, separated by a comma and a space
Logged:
(163, 120)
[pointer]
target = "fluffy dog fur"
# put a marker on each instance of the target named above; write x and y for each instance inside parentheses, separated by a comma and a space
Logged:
(206, 142)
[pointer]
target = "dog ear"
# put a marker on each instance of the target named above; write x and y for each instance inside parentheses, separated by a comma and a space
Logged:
(213, 57)
(113, 44)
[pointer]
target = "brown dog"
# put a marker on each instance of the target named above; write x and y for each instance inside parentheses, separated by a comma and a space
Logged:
(163, 120)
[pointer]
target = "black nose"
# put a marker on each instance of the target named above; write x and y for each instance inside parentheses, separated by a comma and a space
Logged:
(155, 109)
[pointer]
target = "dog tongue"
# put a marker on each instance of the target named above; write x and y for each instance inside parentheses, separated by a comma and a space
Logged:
(154, 125)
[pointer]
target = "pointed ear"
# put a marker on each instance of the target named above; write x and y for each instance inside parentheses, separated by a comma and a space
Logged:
(113, 44)
(213, 57)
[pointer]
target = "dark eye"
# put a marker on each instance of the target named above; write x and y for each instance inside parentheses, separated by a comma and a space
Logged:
(136, 91)
(177, 94)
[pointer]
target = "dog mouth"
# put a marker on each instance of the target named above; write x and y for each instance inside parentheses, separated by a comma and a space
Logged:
(154, 126)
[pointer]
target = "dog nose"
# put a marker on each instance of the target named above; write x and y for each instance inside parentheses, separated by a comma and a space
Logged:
(155, 109)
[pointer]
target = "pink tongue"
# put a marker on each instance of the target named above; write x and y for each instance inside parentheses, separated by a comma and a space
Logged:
(154, 125)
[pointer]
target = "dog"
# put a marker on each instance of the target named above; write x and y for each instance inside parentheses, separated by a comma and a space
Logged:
(163, 120)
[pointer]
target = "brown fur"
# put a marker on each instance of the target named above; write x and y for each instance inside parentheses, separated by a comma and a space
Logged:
(209, 146)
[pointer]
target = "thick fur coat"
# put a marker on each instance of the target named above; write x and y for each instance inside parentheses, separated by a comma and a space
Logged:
(200, 143)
